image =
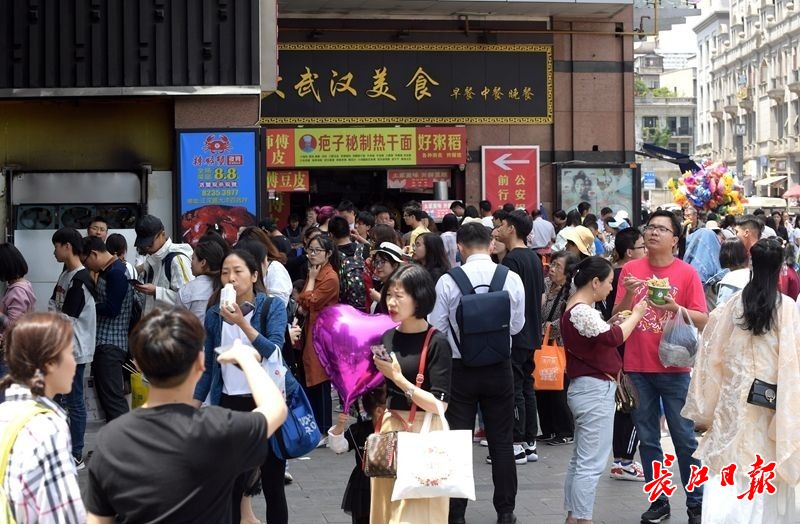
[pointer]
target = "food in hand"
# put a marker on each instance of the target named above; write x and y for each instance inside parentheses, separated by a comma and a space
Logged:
(657, 290)
(622, 315)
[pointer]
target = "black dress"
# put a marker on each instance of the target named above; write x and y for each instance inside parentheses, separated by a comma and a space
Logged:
(357, 493)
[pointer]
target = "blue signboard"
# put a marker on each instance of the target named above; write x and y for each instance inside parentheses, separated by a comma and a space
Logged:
(649, 180)
(217, 182)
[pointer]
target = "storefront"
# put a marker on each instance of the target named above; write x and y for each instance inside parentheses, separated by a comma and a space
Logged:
(406, 115)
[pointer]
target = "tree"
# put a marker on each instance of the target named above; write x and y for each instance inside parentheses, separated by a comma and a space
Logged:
(656, 136)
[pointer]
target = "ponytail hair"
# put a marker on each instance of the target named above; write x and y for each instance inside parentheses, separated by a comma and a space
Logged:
(32, 342)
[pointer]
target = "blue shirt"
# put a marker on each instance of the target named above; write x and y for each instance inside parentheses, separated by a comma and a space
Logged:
(270, 339)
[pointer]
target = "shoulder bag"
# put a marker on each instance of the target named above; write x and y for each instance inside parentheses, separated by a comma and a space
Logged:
(626, 398)
(380, 450)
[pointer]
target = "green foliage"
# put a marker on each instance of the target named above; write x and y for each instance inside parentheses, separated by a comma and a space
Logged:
(658, 137)
(641, 89)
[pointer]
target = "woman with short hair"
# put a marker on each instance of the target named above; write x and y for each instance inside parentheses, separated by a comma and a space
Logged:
(40, 479)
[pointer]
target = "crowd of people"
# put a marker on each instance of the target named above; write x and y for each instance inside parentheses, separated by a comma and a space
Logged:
(203, 323)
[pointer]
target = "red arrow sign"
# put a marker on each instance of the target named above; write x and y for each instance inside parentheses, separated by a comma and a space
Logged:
(511, 174)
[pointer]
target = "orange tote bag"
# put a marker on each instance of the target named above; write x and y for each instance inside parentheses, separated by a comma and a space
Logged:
(550, 363)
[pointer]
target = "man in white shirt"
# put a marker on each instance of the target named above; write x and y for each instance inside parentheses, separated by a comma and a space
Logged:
(486, 213)
(543, 234)
(490, 387)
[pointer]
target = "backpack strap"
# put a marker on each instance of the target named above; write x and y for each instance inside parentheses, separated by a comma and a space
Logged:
(265, 313)
(499, 278)
(167, 262)
(461, 279)
(13, 428)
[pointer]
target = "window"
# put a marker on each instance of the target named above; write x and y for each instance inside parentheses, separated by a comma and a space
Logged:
(684, 148)
(672, 124)
(649, 121)
(684, 128)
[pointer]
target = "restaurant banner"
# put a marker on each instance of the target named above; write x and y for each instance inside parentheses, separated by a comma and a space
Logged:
(282, 181)
(416, 178)
(411, 83)
(217, 181)
(437, 209)
(369, 146)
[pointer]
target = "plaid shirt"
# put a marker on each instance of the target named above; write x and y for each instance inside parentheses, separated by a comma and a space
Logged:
(41, 481)
(113, 329)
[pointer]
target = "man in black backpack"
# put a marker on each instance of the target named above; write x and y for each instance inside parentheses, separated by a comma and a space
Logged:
(352, 290)
(513, 232)
(489, 386)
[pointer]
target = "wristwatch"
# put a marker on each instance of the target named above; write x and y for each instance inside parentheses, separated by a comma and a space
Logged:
(410, 392)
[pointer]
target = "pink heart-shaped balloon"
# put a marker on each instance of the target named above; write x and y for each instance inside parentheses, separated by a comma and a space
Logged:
(342, 339)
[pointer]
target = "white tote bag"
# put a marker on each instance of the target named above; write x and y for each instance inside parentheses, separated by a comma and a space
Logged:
(432, 464)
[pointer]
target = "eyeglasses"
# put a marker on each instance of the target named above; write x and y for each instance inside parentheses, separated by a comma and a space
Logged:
(379, 262)
(661, 230)
(99, 229)
(314, 250)
(639, 247)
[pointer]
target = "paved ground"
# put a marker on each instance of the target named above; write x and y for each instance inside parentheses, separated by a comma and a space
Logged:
(319, 481)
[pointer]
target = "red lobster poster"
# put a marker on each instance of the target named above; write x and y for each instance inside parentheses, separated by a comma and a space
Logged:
(217, 182)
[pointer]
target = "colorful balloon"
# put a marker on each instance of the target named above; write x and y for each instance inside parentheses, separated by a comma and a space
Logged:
(342, 339)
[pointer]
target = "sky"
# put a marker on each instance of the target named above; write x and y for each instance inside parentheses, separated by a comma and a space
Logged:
(680, 39)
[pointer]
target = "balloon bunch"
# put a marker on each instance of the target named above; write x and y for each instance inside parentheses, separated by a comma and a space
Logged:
(712, 188)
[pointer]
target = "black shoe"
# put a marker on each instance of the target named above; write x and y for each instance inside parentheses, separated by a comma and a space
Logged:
(506, 518)
(695, 514)
(560, 441)
(659, 510)
(456, 520)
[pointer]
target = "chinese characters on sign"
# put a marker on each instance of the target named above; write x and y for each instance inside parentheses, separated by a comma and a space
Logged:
(217, 181)
(335, 83)
(761, 476)
(510, 174)
(379, 146)
(437, 209)
(280, 181)
(415, 178)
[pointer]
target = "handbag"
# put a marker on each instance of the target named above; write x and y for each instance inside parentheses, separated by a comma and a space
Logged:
(763, 394)
(299, 434)
(549, 364)
(626, 397)
(434, 464)
(380, 449)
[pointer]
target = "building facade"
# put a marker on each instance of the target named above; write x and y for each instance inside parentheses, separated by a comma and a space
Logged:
(750, 97)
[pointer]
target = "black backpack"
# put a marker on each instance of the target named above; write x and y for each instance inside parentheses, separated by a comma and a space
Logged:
(352, 289)
(483, 320)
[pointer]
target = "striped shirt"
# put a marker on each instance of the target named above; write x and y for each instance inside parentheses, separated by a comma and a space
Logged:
(40, 480)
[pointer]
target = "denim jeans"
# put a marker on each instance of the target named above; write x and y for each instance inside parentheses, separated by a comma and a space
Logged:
(74, 404)
(670, 389)
(592, 403)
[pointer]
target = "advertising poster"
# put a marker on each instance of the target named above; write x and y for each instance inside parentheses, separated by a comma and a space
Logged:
(611, 186)
(217, 172)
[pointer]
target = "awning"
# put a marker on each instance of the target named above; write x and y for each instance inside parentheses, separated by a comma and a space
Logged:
(768, 181)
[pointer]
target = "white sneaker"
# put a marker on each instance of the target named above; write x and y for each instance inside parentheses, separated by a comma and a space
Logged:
(520, 457)
(530, 452)
(484, 443)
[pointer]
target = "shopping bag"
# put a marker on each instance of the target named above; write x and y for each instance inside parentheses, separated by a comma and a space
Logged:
(299, 434)
(549, 364)
(139, 390)
(679, 342)
(276, 369)
(432, 464)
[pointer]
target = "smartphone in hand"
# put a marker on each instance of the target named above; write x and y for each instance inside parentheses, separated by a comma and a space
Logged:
(380, 351)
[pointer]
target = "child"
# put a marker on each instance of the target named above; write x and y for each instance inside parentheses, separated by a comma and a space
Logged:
(357, 493)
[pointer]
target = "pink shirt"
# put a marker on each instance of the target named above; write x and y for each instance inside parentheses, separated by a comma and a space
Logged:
(641, 348)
